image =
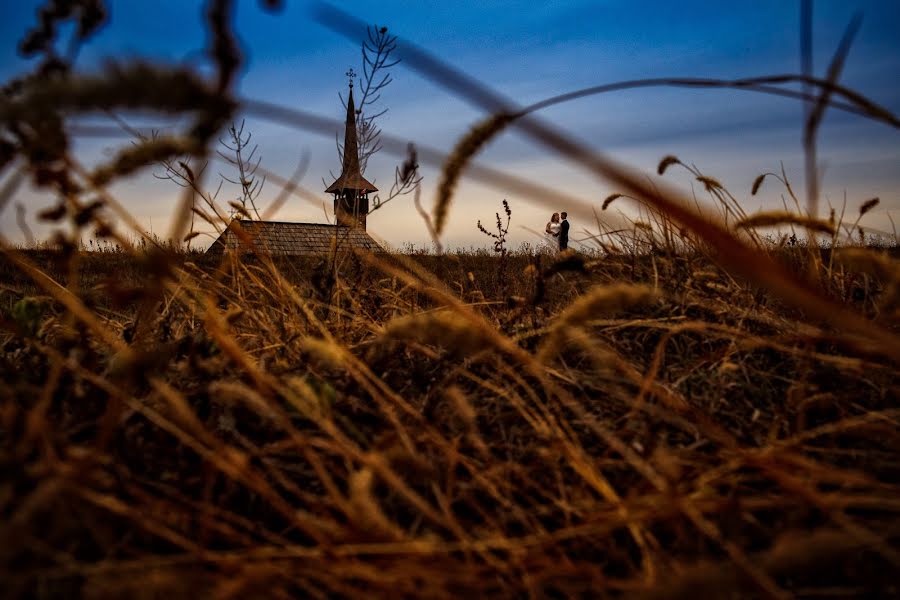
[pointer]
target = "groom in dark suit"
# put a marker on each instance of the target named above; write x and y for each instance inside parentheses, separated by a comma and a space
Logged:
(564, 232)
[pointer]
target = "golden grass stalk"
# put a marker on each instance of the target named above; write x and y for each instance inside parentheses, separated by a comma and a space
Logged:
(456, 162)
(148, 152)
(600, 301)
(709, 183)
(366, 509)
(757, 183)
(610, 199)
(239, 208)
(868, 205)
(667, 162)
(444, 328)
(777, 218)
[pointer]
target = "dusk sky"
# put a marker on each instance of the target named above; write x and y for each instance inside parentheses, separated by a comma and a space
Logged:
(528, 51)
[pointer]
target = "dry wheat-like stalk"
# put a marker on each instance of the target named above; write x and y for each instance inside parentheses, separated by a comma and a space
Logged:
(709, 183)
(757, 183)
(456, 162)
(367, 510)
(777, 218)
(868, 205)
(610, 199)
(667, 162)
(598, 302)
(445, 328)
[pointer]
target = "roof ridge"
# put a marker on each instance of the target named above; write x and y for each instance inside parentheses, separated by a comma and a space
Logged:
(242, 221)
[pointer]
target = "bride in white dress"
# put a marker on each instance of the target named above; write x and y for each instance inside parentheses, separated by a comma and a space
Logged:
(551, 234)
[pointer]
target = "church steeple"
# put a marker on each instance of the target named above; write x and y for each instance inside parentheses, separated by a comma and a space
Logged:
(351, 203)
(351, 148)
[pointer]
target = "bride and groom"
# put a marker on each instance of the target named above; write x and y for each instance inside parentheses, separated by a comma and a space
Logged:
(557, 232)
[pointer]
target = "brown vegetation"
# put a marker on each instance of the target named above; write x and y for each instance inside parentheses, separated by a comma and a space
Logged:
(688, 408)
(432, 430)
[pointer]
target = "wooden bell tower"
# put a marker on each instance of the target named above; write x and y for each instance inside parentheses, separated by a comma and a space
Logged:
(351, 189)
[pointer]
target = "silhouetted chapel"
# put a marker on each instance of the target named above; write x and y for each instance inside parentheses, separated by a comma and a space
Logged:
(351, 206)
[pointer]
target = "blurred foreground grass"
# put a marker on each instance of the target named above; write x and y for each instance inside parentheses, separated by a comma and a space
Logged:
(566, 425)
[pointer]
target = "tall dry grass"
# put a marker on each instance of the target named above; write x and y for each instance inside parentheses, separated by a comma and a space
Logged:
(692, 407)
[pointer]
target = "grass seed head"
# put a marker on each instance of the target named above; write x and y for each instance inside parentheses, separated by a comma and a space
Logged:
(328, 352)
(461, 405)
(443, 328)
(367, 510)
(709, 183)
(667, 162)
(610, 199)
(776, 218)
(868, 205)
(462, 153)
(757, 183)
(601, 301)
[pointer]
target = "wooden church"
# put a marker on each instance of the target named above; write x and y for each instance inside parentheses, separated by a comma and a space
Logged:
(351, 206)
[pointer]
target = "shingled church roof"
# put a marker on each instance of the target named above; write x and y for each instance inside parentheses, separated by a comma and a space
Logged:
(279, 238)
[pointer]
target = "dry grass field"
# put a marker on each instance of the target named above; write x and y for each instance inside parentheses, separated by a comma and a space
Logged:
(698, 406)
(649, 427)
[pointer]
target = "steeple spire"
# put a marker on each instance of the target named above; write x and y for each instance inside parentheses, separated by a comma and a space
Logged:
(351, 147)
(351, 187)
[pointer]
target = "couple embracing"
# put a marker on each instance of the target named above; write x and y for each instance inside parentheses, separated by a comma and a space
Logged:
(557, 232)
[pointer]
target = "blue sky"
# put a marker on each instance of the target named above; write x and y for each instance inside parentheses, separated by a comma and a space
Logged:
(530, 51)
